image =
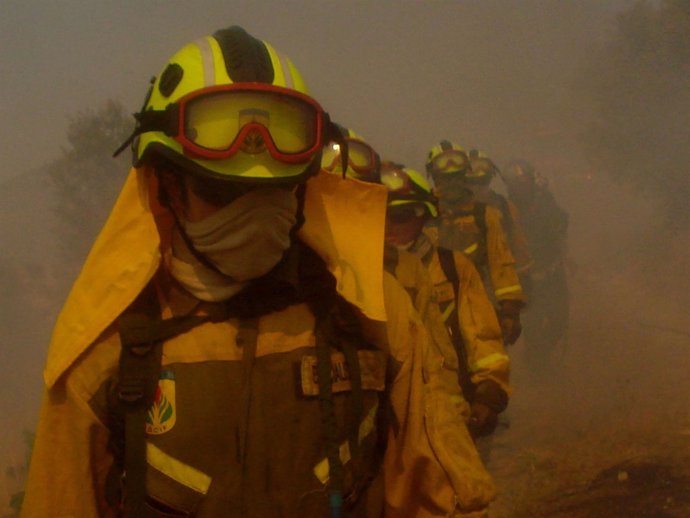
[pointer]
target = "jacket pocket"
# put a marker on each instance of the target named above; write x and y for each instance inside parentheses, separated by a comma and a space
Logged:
(174, 489)
(157, 509)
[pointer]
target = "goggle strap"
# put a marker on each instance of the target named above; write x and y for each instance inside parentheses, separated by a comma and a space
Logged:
(159, 120)
(338, 137)
(137, 127)
(126, 143)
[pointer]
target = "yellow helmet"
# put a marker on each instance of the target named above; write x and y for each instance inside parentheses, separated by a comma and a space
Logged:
(363, 162)
(447, 158)
(230, 106)
(482, 169)
(408, 187)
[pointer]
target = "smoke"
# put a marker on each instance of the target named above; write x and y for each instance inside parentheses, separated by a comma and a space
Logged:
(598, 103)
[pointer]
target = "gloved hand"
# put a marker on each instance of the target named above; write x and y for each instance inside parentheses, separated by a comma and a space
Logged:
(488, 401)
(482, 421)
(509, 318)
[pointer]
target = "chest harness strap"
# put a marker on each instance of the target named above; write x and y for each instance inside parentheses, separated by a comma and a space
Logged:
(142, 333)
(447, 261)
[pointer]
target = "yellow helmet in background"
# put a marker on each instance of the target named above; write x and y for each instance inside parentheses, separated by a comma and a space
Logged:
(408, 187)
(482, 169)
(447, 158)
(230, 106)
(363, 162)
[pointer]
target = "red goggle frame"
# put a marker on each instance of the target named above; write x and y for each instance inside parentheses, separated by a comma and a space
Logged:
(239, 116)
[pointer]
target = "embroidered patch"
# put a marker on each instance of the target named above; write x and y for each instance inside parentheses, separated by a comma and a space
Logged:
(371, 365)
(161, 416)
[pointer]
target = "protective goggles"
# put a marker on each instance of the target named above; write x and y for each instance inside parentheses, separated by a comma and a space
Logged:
(361, 159)
(449, 161)
(482, 167)
(217, 122)
(403, 190)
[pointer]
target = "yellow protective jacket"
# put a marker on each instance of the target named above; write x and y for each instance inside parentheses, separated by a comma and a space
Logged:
(193, 442)
(485, 243)
(435, 300)
(513, 229)
(518, 241)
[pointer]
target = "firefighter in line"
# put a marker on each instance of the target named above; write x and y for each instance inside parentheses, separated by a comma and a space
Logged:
(481, 174)
(476, 230)
(545, 224)
(232, 346)
(457, 312)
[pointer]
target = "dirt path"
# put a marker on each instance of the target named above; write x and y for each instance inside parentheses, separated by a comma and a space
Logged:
(607, 433)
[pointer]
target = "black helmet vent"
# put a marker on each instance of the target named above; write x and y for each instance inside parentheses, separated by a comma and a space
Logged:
(246, 58)
(171, 77)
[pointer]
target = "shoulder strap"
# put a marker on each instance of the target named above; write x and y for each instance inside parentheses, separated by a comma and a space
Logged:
(507, 216)
(445, 256)
(337, 327)
(138, 372)
(142, 333)
(479, 212)
(447, 261)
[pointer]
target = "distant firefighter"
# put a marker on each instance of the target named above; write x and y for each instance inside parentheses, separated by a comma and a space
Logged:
(476, 229)
(482, 172)
(545, 224)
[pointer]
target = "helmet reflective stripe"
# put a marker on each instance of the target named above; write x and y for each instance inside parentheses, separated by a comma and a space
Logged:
(208, 64)
(285, 68)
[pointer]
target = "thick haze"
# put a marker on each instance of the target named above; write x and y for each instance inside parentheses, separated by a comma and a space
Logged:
(404, 74)
(499, 75)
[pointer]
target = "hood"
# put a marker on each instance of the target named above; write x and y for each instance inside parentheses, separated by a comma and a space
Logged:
(344, 224)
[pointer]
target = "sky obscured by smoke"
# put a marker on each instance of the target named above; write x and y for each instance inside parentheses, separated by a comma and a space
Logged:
(402, 73)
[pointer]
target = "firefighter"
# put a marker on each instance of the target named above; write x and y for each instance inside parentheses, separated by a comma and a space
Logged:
(546, 226)
(481, 173)
(475, 229)
(229, 350)
(458, 293)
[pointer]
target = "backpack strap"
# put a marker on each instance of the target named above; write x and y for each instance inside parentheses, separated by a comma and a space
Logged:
(142, 333)
(447, 261)
(507, 216)
(479, 213)
(337, 328)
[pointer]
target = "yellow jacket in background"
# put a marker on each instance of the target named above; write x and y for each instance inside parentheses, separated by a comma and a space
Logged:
(434, 298)
(487, 247)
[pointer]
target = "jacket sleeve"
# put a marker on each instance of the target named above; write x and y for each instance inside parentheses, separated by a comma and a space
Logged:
(504, 278)
(486, 356)
(70, 459)
(523, 258)
(431, 467)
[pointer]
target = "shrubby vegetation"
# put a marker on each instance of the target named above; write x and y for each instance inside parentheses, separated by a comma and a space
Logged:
(638, 84)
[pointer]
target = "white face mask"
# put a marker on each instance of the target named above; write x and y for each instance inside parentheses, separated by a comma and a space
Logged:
(246, 238)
